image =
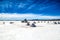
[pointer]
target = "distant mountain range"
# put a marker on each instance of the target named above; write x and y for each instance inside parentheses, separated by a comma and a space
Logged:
(45, 20)
(34, 20)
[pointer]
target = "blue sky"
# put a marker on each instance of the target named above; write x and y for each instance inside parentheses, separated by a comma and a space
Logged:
(34, 7)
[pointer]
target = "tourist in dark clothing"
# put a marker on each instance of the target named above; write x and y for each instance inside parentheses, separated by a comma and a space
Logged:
(28, 23)
(33, 25)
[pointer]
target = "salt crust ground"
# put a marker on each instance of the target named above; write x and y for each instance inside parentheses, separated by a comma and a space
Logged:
(19, 31)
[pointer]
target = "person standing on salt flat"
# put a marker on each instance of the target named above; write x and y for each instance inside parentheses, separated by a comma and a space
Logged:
(3, 22)
(28, 23)
(24, 21)
(33, 24)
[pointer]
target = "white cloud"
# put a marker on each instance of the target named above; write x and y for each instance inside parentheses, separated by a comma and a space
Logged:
(27, 16)
(31, 6)
(21, 5)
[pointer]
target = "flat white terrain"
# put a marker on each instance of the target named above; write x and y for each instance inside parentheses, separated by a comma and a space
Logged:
(19, 31)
